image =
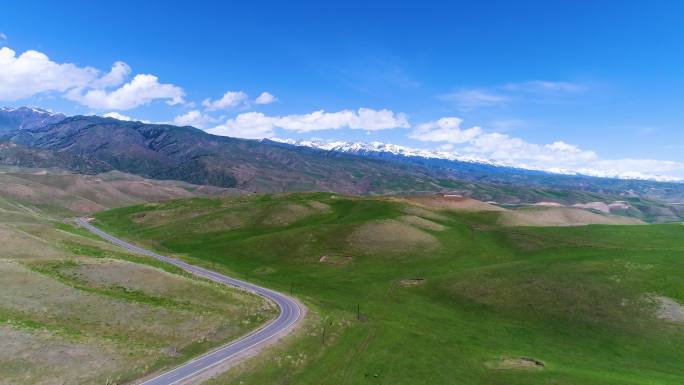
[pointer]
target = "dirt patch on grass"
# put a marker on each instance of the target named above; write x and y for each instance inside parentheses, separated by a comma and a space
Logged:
(390, 236)
(455, 203)
(519, 363)
(561, 216)
(412, 282)
(668, 309)
(332, 259)
(422, 223)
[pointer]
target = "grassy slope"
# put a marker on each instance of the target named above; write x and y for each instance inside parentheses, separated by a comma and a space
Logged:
(70, 311)
(572, 297)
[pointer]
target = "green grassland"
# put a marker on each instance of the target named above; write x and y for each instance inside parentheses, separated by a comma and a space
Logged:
(77, 310)
(445, 297)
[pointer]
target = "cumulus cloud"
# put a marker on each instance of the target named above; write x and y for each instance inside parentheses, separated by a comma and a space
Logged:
(193, 118)
(258, 125)
(265, 98)
(117, 76)
(446, 130)
(250, 125)
(557, 156)
(33, 73)
(116, 115)
(143, 89)
(363, 119)
(230, 99)
(126, 118)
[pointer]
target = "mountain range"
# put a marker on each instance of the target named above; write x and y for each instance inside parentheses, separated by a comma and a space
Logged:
(31, 137)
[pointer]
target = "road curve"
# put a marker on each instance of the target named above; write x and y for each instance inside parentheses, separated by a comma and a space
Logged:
(290, 313)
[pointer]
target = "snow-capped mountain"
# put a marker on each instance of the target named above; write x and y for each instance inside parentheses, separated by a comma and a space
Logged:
(13, 120)
(385, 150)
(363, 148)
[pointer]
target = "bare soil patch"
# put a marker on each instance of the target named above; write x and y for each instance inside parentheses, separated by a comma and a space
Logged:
(668, 309)
(520, 363)
(332, 259)
(411, 282)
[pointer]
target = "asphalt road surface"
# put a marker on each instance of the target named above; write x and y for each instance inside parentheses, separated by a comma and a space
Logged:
(290, 313)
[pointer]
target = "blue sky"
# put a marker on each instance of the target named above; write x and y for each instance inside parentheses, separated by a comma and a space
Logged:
(589, 86)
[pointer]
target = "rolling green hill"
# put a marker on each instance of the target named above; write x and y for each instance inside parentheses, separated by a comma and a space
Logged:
(408, 292)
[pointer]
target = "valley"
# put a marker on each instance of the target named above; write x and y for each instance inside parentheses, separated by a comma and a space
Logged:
(423, 292)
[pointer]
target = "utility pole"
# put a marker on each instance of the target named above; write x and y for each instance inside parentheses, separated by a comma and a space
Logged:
(323, 335)
(358, 312)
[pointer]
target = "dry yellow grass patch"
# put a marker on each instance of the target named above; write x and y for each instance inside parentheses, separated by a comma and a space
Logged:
(390, 236)
(44, 300)
(156, 283)
(561, 216)
(41, 357)
(17, 243)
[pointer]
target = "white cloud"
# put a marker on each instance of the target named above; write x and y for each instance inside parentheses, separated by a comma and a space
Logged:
(117, 115)
(446, 130)
(475, 98)
(33, 73)
(557, 156)
(363, 119)
(258, 125)
(265, 98)
(3, 37)
(545, 86)
(118, 74)
(143, 89)
(126, 118)
(193, 118)
(498, 95)
(250, 125)
(230, 99)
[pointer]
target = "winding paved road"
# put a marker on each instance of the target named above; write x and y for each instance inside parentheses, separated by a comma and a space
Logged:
(290, 313)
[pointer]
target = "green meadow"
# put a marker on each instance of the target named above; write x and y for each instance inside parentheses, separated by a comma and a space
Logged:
(400, 293)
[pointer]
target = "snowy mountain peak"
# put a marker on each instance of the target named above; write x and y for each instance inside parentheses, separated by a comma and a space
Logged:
(361, 148)
(378, 149)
